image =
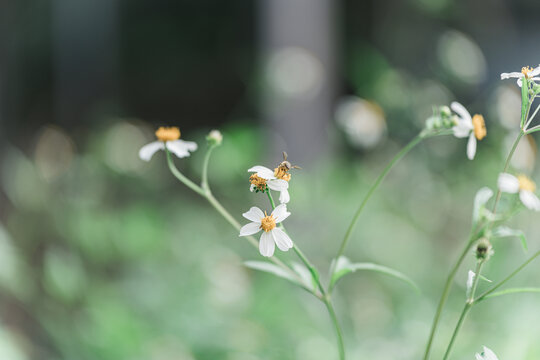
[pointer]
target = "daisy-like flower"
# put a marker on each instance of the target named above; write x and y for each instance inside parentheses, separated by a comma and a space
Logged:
(520, 184)
(264, 177)
(526, 72)
(169, 137)
(472, 127)
(271, 235)
(487, 354)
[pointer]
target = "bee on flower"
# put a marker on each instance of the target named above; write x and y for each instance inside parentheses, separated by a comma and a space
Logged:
(523, 185)
(472, 127)
(168, 137)
(526, 72)
(271, 235)
(277, 180)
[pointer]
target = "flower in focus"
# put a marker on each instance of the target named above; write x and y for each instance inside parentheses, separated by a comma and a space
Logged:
(526, 187)
(526, 72)
(487, 354)
(467, 126)
(169, 137)
(263, 177)
(271, 235)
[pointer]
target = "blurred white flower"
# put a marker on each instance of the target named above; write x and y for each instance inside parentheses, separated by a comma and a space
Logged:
(526, 187)
(526, 71)
(271, 234)
(264, 177)
(472, 127)
(487, 354)
(214, 137)
(170, 137)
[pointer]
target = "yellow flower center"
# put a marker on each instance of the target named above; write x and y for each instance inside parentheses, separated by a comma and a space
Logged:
(479, 126)
(168, 133)
(282, 173)
(525, 71)
(268, 222)
(258, 182)
(526, 184)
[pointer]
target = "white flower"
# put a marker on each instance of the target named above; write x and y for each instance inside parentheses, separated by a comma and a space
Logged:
(526, 187)
(487, 354)
(525, 72)
(472, 127)
(214, 137)
(265, 177)
(271, 234)
(169, 137)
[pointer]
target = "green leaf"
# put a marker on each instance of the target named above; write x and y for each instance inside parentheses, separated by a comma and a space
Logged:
(307, 279)
(271, 269)
(513, 291)
(344, 267)
(505, 231)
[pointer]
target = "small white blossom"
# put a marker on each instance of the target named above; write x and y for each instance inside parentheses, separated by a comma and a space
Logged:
(487, 354)
(521, 184)
(170, 138)
(214, 137)
(525, 72)
(264, 176)
(271, 235)
(472, 127)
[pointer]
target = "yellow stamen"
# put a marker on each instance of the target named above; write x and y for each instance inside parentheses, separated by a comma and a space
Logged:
(258, 182)
(268, 222)
(168, 133)
(525, 71)
(282, 173)
(526, 184)
(479, 126)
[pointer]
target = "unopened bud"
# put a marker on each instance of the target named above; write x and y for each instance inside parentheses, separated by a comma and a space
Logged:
(483, 249)
(214, 138)
(445, 112)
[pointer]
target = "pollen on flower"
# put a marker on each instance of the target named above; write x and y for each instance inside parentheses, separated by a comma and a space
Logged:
(525, 71)
(479, 126)
(258, 182)
(168, 133)
(526, 184)
(282, 173)
(268, 222)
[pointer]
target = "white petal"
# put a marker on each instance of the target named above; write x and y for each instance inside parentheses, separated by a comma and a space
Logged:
(283, 241)
(489, 355)
(284, 196)
(263, 172)
(479, 357)
(277, 184)
(534, 72)
(511, 75)
(461, 111)
(266, 244)
(250, 229)
(254, 214)
(280, 213)
(148, 150)
(519, 82)
(508, 183)
(530, 200)
(252, 188)
(471, 146)
(470, 280)
(462, 130)
(181, 148)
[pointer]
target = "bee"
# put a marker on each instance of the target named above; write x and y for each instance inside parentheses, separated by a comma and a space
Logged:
(282, 171)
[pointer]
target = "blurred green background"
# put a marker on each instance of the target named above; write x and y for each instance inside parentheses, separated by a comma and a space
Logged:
(103, 256)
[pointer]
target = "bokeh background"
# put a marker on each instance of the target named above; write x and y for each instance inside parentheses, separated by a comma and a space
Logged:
(103, 256)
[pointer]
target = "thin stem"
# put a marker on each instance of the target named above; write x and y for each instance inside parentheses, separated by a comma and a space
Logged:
(374, 187)
(466, 309)
(531, 118)
(502, 282)
(204, 177)
(339, 335)
(445, 294)
(190, 184)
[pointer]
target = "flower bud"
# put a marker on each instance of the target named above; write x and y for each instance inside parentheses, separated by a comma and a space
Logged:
(445, 111)
(483, 249)
(214, 138)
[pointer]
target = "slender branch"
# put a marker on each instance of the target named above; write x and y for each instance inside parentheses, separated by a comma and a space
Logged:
(339, 335)
(204, 177)
(190, 184)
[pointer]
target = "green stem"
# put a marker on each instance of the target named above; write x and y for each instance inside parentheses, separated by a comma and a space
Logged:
(444, 296)
(502, 282)
(339, 335)
(204, 177)
(466, 309)
(370, 192)
(190, 184)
